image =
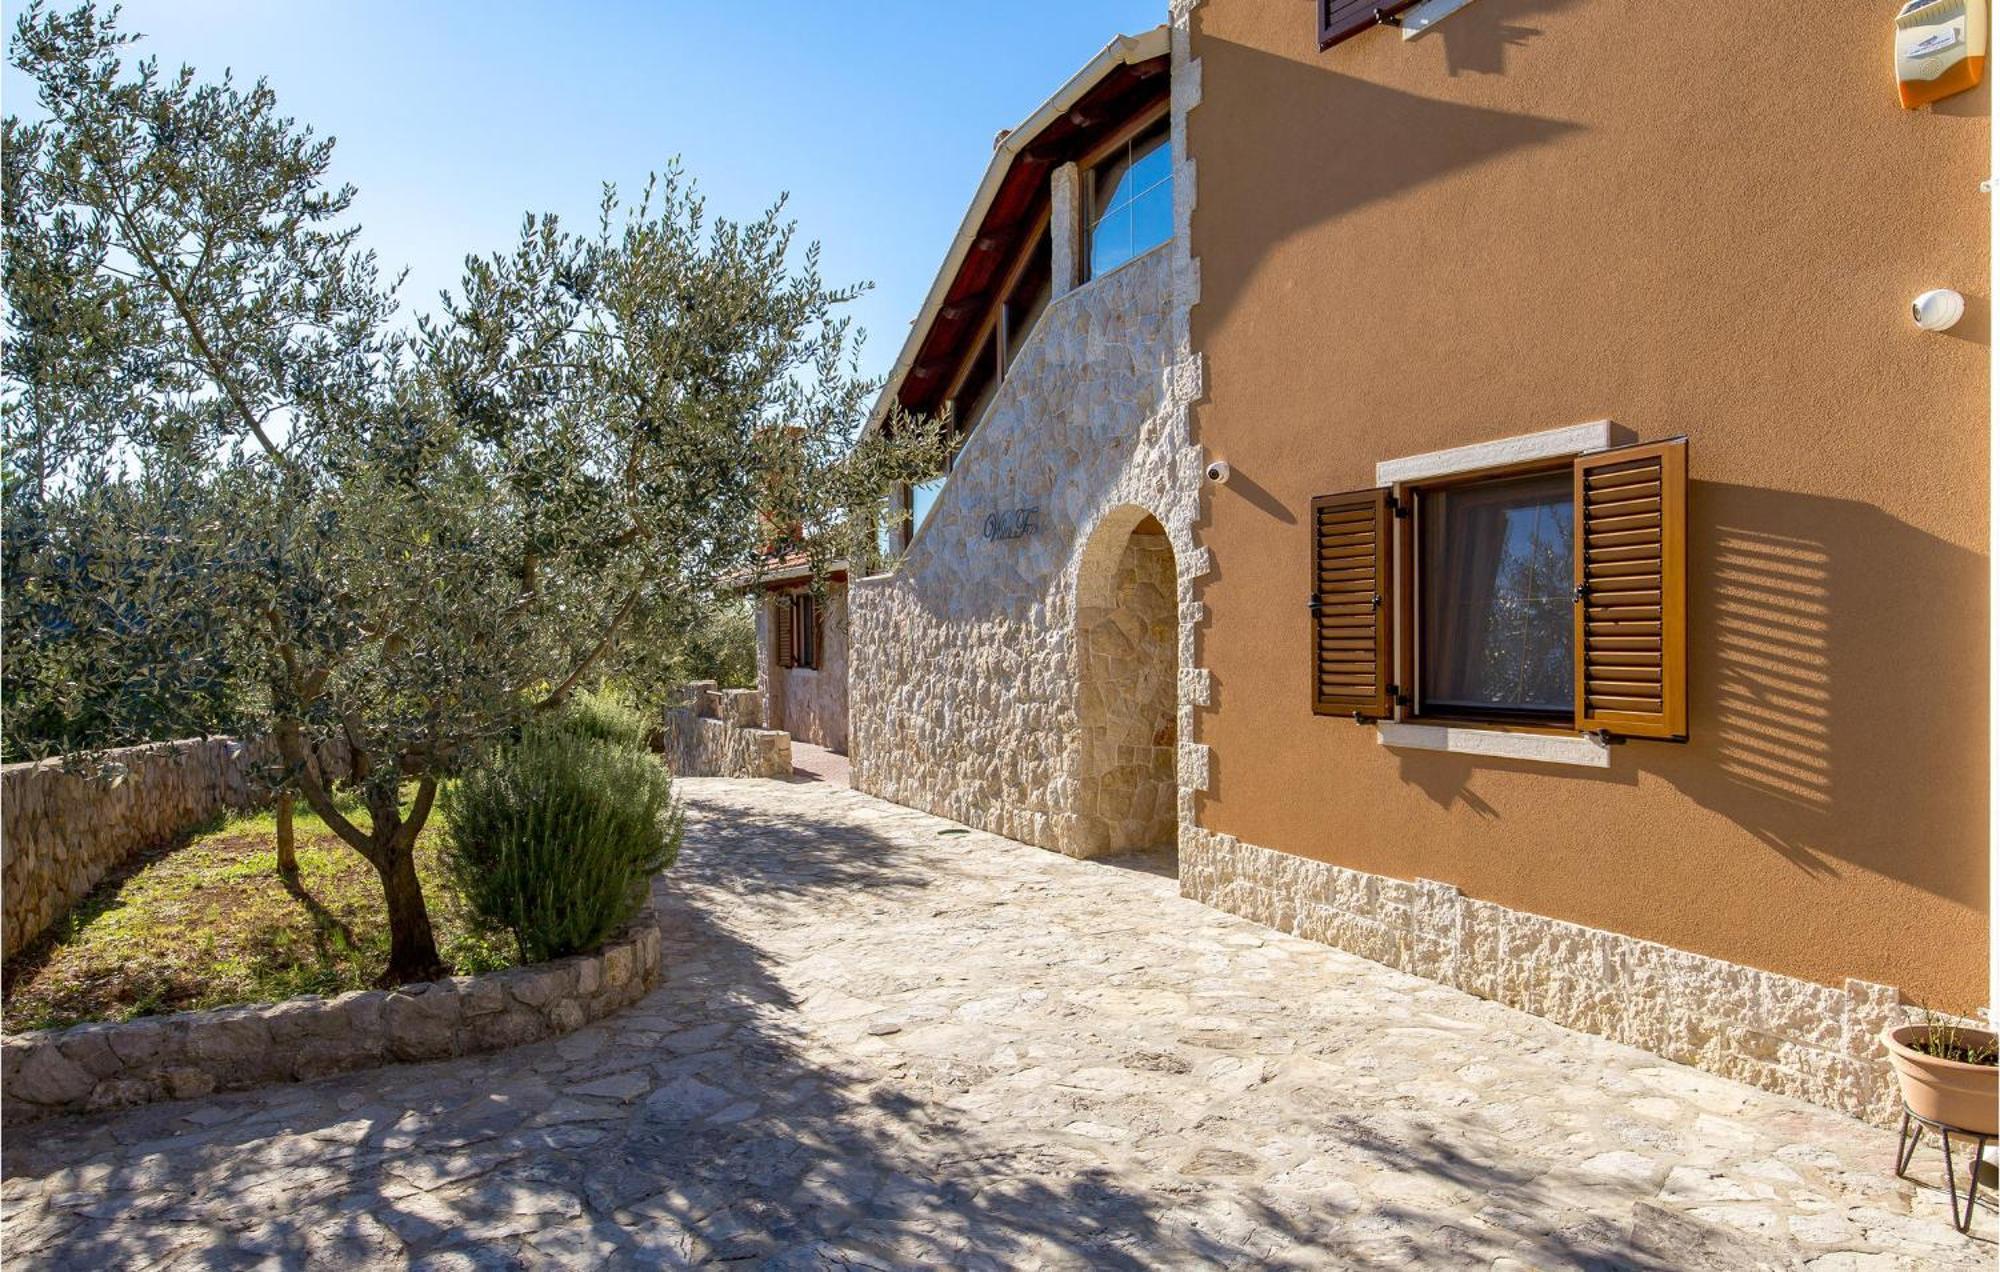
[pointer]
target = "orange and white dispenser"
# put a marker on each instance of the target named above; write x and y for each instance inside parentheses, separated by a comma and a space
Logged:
(1940, 49)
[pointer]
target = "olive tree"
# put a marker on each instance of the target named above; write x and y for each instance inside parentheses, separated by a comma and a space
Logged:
(405, 540)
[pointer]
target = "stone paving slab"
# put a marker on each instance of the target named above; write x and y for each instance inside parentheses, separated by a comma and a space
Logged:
(879, 1043)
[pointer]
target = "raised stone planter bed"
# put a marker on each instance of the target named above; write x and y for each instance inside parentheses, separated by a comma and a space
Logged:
(188, 1054)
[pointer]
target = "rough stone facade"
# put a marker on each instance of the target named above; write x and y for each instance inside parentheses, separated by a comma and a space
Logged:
(99, 1066)
(966, 681)
(1794, 1037)
(810, 703)
(1126, 701)
(66, 827)
(715, 733)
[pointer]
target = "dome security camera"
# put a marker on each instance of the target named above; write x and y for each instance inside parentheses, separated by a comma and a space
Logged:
(1938, 309)
(1218, 472)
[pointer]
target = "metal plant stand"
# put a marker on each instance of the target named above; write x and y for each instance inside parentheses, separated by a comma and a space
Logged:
(1912, 1133)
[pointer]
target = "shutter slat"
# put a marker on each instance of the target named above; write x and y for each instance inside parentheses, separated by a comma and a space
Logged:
(1350, 546)
(1647, 549)
(1631, 572)
(1603, 529)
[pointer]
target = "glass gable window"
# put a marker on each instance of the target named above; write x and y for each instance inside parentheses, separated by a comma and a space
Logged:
(1496, 628)
(1131, 201)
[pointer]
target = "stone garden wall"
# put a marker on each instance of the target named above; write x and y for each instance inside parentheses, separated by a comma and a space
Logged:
(63, 829)
(188, 1054)
(716, 733)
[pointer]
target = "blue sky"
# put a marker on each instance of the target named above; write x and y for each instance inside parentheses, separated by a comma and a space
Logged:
(453, 119)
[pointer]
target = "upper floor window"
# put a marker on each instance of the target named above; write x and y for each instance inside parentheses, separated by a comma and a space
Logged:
(1131, 200)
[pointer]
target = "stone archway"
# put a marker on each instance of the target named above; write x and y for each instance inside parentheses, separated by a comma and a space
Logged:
(1128, 614)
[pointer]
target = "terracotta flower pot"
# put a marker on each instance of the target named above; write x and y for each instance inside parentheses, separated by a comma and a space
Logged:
(1965, 1096)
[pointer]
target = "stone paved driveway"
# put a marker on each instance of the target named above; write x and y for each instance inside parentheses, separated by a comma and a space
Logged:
(883, 1043)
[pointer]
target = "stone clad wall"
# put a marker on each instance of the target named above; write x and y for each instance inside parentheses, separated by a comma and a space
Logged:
(189, 1054)
(63, 830)
(1813, 1042)
(1126, 701)
(963, 682)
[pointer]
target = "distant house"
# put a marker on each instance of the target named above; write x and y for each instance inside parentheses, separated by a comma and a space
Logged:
(802, 652)
(1587, 607)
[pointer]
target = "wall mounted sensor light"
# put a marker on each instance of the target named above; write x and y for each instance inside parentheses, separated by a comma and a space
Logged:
(1938, 309)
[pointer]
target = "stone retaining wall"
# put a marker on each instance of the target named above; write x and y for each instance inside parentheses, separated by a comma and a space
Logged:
(715, 733)
(1814, 1042)
(62, 829)
(189, 1054)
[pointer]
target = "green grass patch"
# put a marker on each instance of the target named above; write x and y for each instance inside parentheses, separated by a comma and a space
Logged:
(206, 923)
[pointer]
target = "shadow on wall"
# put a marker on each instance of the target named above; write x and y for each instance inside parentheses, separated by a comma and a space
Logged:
(1837, 663)
(1838, 669)
(1324, 175)
(1477, 37)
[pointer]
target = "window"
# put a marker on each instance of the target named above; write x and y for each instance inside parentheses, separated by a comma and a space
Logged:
(1131, 201)
(1554, 596)
(923, 497)
(1493, 620)
(796, 634)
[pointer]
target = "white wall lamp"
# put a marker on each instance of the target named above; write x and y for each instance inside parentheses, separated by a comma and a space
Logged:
(1938, 309)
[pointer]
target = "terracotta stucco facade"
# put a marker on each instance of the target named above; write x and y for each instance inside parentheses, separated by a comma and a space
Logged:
(1543, 213)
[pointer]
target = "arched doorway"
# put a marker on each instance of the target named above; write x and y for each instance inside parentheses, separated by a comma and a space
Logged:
(1127, 640)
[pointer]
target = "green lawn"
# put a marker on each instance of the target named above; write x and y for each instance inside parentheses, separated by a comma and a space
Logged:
(208, 924)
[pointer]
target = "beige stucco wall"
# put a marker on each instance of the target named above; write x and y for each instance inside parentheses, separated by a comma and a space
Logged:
(1687, 220)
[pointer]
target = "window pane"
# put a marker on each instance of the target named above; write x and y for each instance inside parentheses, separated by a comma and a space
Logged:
(1132, 201)
(922, 496)
(1111, 242)
(1496, 624)
(1153, 217)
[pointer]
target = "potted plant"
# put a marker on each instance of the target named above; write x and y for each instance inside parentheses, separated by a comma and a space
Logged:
(1949, 1073)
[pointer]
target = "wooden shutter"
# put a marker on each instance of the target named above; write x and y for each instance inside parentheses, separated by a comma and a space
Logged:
(1350, 604)
(781, 629)
(818, 634)
(1631, 590)
(1343, 19)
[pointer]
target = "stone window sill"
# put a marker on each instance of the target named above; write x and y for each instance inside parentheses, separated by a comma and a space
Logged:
(1545, 748)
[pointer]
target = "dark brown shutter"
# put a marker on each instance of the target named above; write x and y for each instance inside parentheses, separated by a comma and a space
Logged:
(1631, 590)
(1350, 604)
(818, 634)
(1343, 19)
(782, 629)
